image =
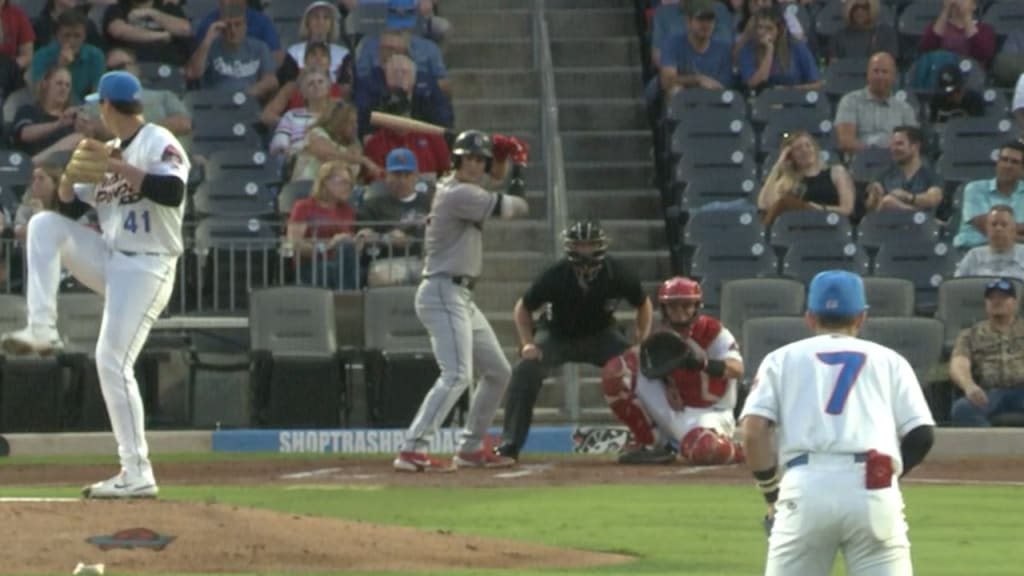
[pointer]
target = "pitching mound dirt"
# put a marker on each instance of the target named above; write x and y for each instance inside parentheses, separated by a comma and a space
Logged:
(50, 537)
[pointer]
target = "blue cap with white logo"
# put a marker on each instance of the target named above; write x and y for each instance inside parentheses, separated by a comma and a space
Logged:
(117, 86)
(836, 293)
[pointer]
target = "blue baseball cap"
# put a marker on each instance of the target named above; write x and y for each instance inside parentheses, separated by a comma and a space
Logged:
(1001, 285)
(836, 293)
(401, 160)
(401, 14)
(117, 86)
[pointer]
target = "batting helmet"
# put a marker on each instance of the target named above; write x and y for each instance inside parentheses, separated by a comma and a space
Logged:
(679, 288)
(585, 232)
(473, 143)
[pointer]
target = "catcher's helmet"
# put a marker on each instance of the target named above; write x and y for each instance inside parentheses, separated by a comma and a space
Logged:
(679, 288)
(585, 232)
(473, 143)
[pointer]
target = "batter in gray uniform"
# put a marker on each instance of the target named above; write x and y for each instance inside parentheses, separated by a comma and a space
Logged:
(460, 335)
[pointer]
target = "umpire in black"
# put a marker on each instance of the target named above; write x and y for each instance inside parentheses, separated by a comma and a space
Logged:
(579, 294)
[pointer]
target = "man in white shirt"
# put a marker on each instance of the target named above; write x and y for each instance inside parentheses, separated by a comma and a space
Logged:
(1018, 101)
(1002, 256)
(845, 418)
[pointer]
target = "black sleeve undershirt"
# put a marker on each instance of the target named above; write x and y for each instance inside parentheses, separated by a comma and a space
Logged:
(164, 189)
(915, 446)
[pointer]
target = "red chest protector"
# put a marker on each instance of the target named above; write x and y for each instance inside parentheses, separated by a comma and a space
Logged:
(696, 388)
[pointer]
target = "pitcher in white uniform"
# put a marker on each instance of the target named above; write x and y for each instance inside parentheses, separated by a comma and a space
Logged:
(132, 263)
(830, 425)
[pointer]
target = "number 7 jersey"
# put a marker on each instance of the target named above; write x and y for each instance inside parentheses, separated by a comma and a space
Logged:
(838, 394)
(129, 221)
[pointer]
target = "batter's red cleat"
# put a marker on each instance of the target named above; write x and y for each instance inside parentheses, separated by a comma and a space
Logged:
(483, 459)
(420, 462)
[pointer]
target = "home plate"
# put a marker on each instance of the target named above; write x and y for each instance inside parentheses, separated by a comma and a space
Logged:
(524, 471)
(10, 500)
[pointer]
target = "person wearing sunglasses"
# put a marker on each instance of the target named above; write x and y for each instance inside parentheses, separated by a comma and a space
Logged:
(577, 297)
(981, 195)
(1002, 256)
(988, 361)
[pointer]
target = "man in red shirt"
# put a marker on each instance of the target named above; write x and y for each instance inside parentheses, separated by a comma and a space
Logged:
(432, 154)
(17, 40)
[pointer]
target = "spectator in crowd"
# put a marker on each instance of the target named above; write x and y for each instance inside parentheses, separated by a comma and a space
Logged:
(399, 35)
(228, 59)
(401, 211)
(981, 195)
(161, 107)
(47, 125)
(750, 10)
(288, 96)
(322, 230)
(332, 137)
(257, 26)
(772, 57)
(16, 47)
(320, 23)
(801, 180)
(867, 117)
(45, 24)
(864, 33)
(428, 23)
(988, 360)
(697, 59)
(908, 183)
(1018, 102)
(432, 154)
(157, 30)
(400, 89)
(1002, 256)
(84, 61)
(953, 99)
(670, 19)
(957, 31)
(1008, 64)
(290, 135)
(41, 196)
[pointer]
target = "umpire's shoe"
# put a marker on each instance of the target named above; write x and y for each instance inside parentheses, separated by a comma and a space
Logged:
(483, 459)
(639, 454)
(32, 340)
(122, 486)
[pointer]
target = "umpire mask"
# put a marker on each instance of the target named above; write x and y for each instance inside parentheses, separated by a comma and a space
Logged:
(585, 247)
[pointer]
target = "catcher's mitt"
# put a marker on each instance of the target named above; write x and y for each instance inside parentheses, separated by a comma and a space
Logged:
(661, 353)
(89, 162)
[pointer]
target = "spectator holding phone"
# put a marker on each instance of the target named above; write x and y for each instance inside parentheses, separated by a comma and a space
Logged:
(48, 124)
(228, 59)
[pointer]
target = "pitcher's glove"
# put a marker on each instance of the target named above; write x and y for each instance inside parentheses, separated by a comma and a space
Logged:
(89, 162)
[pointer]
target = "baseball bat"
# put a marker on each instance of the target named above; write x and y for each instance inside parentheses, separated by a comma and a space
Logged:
(406, 124)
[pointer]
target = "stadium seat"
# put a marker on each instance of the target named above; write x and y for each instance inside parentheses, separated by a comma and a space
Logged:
(728, 188)
(892, 226)
(714, 226)
(983, 131)
(712, 127)
(217, 131)
(234, 198)
(745, 298)
(844, 75)
(234, 256)
(160, 76)
(829, 19)
(687, 104)
(1004, 16)
(869, 163)
(919, 340)
(15, 171)
(251, 163)
(964, 160)
(296, 374)
(961, 304)
(291, 192)
(810, 227)
(889, 296)
(926, 264)
(716, 263)
(770, 102)
(762, 336)
(802, 261)
(704, 165)
(795, 119)
(916, 18)
(223, 101)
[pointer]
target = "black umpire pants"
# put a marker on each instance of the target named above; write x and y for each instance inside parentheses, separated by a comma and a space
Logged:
(528, 376)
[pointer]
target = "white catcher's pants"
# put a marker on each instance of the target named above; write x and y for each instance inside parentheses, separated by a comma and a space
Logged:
(135, 289)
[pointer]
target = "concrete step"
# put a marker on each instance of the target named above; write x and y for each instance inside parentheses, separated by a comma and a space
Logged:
(586, 22)
(496, 54)
(620, 145)
(499, 115)
(608, 175)
(600, 114)
(612, 82)
(524, 266)
(594, 53)
(478, 23)
(628, 203)
(483, 83)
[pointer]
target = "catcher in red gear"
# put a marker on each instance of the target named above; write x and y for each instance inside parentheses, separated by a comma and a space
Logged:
(679, 389)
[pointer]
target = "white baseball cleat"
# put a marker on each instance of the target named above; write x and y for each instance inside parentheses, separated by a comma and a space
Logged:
(124, 485)
(32, 340)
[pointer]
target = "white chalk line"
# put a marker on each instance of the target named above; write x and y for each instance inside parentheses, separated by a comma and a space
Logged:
(525, 470)
(693, 470)
(961, 482)
(16, 500)
(309, 474)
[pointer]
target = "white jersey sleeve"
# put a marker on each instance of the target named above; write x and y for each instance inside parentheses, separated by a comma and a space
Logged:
(909, 407)
(724, 347)
(130, 221)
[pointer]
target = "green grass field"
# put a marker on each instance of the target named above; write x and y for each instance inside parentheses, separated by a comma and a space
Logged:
(688, 529)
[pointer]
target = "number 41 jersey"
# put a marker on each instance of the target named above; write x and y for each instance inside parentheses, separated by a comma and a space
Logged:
(838, 394)
(130, 222)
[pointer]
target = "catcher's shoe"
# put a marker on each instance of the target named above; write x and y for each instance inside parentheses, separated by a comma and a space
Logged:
(483, 459)
(122, 486)
(32, 340)
(641, 454)
(420, 462)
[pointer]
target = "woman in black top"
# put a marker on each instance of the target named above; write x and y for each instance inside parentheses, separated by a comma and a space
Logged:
(801, 180)
(48, 124)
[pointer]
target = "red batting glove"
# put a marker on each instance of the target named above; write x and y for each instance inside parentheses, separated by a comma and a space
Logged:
(522, 152)
(504, 146)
